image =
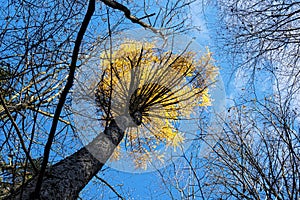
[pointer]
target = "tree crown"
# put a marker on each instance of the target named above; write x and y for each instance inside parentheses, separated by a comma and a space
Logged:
(155, 88)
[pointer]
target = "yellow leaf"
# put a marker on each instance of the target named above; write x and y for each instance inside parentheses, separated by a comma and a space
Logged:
(168, 86)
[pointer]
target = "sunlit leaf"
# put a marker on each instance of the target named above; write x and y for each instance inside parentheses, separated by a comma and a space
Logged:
(163, 86)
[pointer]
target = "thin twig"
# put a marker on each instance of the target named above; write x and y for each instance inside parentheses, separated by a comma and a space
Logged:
(146, 16)
(110, 186)
(18, 133)
(49, 115)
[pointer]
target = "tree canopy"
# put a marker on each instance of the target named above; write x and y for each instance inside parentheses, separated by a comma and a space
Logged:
(163, 86)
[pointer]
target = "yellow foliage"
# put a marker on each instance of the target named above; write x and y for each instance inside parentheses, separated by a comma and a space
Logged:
(116, 154)
(162, 85)
(205, 99)
(142, 160)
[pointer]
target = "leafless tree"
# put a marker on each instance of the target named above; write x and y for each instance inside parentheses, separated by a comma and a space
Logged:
(257, 156)
(260, 28)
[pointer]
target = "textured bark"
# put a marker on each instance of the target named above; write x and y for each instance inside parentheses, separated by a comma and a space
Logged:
(63, 95)
(67, 178)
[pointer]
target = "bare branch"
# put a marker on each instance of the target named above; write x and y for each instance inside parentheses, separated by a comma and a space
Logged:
(115, 5)
(18, 133)
(110, 186)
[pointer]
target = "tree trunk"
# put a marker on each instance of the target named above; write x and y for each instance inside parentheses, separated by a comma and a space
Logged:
(67, 178)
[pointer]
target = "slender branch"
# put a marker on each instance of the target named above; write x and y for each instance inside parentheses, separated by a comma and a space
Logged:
(110, 186)
(146, 16)
(62, 99)
(195, 175)
(49, 115)
(18, 133)
(115, 5)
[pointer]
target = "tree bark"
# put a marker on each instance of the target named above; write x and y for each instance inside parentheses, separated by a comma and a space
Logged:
(67, 178)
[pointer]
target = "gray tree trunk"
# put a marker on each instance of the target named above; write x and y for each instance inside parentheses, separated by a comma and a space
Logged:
(67, 178)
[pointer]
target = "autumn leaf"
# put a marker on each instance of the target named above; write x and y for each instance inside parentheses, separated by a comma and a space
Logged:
(162, 85)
